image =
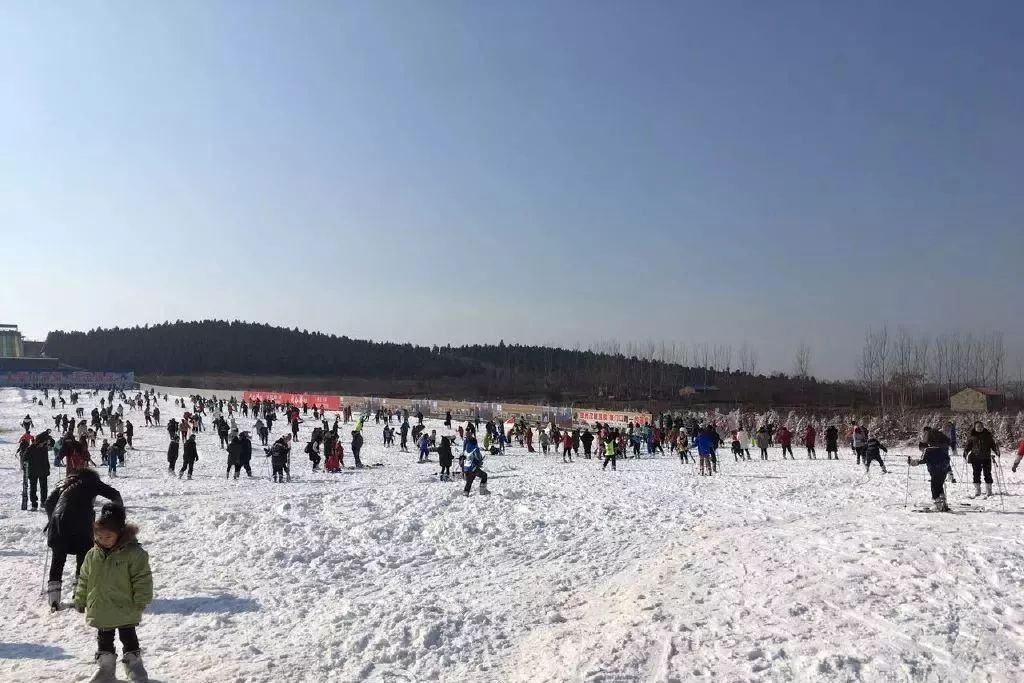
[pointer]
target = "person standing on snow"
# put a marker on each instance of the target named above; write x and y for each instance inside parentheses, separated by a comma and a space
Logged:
(951, 435)
(69, 529)
(873, 450)
(832, 442)
(763, 441)
(858, 440)
(935, 454)
(785, 439)
(810, 436)
(705, 451)
(189, 456)
(980, 448)
(172, 453)
(445, 458)
(473, 466)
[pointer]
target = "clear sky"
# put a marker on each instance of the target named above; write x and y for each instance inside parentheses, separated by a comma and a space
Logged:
(542, 172)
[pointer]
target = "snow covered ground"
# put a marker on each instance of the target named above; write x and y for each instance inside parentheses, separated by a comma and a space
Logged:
(804, 571)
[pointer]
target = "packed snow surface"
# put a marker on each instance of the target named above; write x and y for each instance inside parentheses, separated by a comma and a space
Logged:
(772, 571)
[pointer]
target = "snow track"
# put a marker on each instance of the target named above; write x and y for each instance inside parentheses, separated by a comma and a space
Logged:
(772, 571)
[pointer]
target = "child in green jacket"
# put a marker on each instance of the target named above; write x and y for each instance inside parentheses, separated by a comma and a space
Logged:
(113, 589)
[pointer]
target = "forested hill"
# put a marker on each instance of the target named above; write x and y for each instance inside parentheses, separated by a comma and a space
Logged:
(493, 372)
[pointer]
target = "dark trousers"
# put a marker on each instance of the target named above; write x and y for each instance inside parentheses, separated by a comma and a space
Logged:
(610, 458)
(787, 449)
(829, 450)
(859, 450)
(280, 471)
(764, 453)
(171, 462)
(35, 481)
(976, 467)
(811, 452)
(937, 484)
(129, 639)
(239, 466)
(684, 455)
(877, 457)
(470, 476)
(187, 465)
(223, 438)
(59, 557)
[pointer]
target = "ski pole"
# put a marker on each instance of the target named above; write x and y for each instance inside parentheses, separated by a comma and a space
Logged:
(906, 500)
(1000, 479)
(46, 562)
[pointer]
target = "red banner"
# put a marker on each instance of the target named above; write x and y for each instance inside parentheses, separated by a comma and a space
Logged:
(613, 417)
(281, 398)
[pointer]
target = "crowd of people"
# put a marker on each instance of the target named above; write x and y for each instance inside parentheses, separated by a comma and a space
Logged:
(110, 562)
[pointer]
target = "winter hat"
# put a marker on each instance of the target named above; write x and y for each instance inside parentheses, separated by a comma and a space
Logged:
(112, 518)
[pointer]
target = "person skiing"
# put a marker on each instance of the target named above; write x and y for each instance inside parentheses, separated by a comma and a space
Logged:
(873, 450)
(980, 448)
(115, 587)
(189, 456)
(935, 454)
(70, 516)
(27, 424)
(473, 466)
(832, 442)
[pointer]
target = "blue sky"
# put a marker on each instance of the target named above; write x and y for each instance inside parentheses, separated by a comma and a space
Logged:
(542, 172)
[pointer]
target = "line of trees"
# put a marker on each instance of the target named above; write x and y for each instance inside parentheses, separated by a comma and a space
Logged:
(608, 371)
(902, 370)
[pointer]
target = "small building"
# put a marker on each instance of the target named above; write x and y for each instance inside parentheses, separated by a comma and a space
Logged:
(976, 400)
(10, 342)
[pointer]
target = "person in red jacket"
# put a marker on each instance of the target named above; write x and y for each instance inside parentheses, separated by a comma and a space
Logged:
(1020, 455)
(785, 439)
(810, 436)
(567, 447)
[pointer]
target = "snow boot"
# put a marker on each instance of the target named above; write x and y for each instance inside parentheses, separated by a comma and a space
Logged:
(977, 491)
(107, 664)
(53, 595)
(484, 490)
(940, 504)
(133, 667)
(988, 490)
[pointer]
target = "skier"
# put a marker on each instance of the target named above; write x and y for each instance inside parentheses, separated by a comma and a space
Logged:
(69, 526)
(473, 466)
(189, 456)
(832, 442)
(27, 424)
(980, 448)
(873, 450)
(115, 567)
(935, 454)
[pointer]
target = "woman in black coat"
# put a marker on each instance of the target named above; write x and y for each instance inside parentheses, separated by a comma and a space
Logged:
(69, 530)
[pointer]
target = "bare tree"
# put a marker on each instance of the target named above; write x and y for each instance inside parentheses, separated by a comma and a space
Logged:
(802, 361)
(747, 359)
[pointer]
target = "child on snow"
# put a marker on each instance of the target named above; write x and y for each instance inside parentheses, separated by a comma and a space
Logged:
(114, 588)
(472, 467)
(705, 450)
(935, 454)
(873, 451)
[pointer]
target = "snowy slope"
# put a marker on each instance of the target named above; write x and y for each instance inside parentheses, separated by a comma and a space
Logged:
(774, 571)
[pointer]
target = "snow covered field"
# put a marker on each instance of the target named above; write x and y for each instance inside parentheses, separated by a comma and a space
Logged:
(773, 571)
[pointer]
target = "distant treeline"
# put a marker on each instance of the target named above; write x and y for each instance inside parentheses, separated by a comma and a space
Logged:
(604, 375)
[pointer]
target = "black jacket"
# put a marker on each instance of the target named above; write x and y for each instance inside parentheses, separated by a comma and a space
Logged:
(37, 458)
(172, 451)
(245, 452)
(831, 437)
(69, 509)
(235, 451)
(980, 446)
(190, 454)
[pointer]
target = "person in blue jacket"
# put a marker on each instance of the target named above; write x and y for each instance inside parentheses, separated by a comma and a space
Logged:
(706, 450)
(472, 467)
(935, 454)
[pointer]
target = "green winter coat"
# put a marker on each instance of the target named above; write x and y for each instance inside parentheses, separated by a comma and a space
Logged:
(115, 585)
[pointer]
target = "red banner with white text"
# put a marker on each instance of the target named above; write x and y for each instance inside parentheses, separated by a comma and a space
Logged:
(282, 397)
